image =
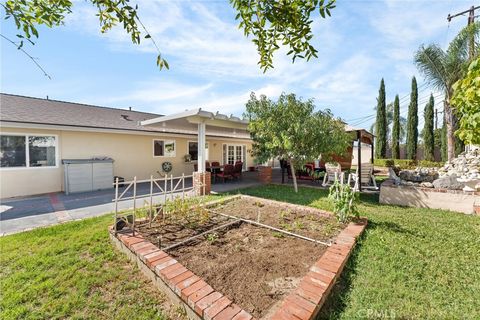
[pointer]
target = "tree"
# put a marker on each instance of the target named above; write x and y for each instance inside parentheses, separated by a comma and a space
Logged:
(428, 134)
(442, 69)
(290, 129)
(402, 120)
(396, 129)
(444, 149)
(412, 122)
(466, 99)
(267, 22)
(381, 124)
(438, 140)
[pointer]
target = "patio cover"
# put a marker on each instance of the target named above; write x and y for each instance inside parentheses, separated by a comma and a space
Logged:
(202, 123)
(362, 136)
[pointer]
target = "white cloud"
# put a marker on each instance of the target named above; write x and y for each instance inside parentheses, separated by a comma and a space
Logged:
(159, 91)
(215, 67)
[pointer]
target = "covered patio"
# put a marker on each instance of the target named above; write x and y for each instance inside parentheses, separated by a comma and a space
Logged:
(205, 124)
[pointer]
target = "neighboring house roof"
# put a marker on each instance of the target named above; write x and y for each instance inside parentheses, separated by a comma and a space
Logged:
(30, 110)
(367, 137)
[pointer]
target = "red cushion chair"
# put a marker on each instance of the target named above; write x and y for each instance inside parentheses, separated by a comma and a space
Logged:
(237, 169)
(227, 173)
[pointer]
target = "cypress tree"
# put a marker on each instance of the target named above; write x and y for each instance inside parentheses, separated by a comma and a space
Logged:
(412, 122)
(428, 138)
(396, 129)
(381, 124)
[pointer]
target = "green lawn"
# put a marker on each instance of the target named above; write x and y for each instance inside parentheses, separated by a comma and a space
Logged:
(410, 264)
(73, 271)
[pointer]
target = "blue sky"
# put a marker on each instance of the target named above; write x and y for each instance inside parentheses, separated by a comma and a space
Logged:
(213, 66)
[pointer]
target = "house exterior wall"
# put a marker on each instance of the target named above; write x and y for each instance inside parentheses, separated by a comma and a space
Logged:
(132, 154)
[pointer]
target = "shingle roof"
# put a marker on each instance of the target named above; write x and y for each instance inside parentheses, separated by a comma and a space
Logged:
(43, 111)
(22, 109)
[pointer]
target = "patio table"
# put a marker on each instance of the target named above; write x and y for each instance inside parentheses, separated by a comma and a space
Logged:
(214, 170)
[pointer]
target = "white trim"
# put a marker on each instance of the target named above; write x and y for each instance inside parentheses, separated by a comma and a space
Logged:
(24, 125)
(27, 154)
(201, 147)
(164, 140)
(200, 116)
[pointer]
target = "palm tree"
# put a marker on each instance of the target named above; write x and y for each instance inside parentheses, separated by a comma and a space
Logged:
(442, 69)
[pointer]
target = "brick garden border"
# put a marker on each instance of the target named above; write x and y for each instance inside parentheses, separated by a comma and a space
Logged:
(201, 301)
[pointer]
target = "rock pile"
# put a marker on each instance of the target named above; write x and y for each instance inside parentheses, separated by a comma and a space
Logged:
(466, 166)
(419, 175)
(462, 172)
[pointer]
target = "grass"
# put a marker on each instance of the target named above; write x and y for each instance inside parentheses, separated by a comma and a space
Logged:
(409, 264)
(73, 271)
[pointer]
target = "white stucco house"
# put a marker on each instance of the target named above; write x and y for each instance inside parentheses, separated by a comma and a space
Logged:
(37, 134)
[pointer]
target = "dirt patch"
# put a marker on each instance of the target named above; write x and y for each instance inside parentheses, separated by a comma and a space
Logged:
(164, 233)
(250, 265)
(254, 266)
(307, 222)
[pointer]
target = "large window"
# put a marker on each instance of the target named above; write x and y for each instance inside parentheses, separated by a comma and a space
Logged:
(164, 148)
(18, 151)
(193, 150)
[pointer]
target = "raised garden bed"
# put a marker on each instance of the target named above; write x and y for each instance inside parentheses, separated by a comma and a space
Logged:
(260, 258)
(467, 202)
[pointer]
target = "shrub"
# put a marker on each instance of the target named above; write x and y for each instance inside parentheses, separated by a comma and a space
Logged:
(406, 163)
(384, 162)
(430, 164)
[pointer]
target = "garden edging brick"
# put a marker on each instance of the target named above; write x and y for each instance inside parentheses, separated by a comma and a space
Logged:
(307, 299)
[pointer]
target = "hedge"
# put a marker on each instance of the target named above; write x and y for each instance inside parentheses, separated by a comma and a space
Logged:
(405, 163)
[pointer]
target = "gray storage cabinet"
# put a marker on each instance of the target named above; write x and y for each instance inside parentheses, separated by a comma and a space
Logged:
(83, 175)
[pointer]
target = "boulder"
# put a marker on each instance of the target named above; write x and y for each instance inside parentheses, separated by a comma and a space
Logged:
(426, 185)
(448, 182)
(418, 175)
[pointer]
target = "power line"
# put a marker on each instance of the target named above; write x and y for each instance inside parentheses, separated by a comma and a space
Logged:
(403, 105)
(471, 20)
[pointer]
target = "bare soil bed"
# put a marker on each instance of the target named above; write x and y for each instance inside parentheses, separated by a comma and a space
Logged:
(254, 266)
(164, 233)
(305, 221)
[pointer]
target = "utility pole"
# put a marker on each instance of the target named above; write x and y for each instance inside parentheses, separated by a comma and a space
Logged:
(471, 20)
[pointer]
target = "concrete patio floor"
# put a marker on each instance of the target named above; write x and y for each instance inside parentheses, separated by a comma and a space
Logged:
(21, 214)
(26, 213)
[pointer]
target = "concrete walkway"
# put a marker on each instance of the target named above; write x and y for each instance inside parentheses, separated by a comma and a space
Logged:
(22, 214)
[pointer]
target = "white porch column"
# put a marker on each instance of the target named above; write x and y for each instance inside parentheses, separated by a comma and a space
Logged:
(201, 147)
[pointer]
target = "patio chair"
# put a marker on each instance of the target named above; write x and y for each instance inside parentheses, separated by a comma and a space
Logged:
(215, 164)
(367, 178)
(207, 166)
(227, 172)
(333, 171)
(237, 169)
